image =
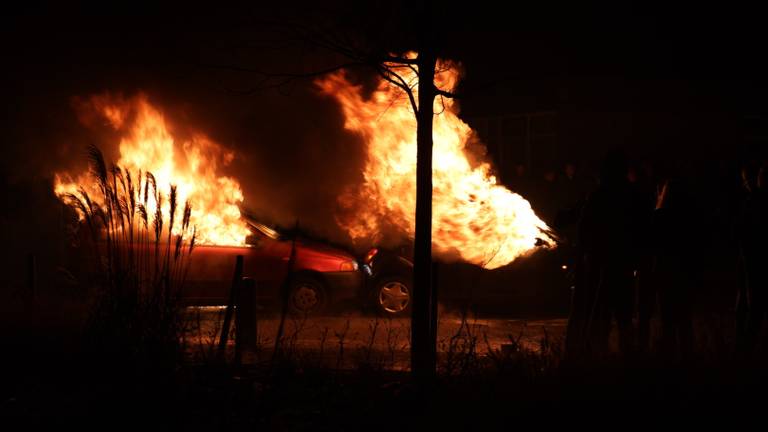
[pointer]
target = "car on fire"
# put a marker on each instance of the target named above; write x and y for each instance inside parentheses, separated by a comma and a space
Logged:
(321, 275)
(325, 277)
(464, 286)
(390, 280)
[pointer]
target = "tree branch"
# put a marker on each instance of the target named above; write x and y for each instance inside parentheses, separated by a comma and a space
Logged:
(442, 102)
(387, 74)
(446, 94)
(399, 60)
(283, 75)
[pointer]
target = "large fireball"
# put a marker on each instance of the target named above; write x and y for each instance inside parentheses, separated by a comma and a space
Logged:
(192, 164)
(475, 219)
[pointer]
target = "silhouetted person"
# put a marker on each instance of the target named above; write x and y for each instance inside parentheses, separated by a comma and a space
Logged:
(753, 242)
(673, 266)
(521, 182)
(548, 196)
(645, 189)
(608, 246)
(573, 187)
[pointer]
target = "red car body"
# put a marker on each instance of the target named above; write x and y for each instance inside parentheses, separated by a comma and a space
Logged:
(265, 260)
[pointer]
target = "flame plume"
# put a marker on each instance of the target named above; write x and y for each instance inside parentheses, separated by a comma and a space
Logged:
(191, 165)
(475, 219)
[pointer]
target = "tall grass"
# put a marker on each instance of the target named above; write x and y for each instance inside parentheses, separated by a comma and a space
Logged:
(140, 263)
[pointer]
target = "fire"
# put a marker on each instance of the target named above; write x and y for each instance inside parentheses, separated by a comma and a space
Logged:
(147, 145)
(474, 218)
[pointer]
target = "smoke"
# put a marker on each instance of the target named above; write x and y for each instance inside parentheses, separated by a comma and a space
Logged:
(294, 160)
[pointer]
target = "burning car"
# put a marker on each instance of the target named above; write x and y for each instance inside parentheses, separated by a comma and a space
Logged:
(159, 172)
(321, 275)
(390, 281)
(389, 286)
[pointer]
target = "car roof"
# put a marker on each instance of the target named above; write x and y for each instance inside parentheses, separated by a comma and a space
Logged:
(263, 229)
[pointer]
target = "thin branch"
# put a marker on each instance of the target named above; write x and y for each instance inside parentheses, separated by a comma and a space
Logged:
(442, 102)
(289, 76)
(400, 60)
(387, 75)
(276, 80)
(337, 48)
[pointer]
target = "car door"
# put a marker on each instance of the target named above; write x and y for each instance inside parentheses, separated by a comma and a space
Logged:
(267, 262)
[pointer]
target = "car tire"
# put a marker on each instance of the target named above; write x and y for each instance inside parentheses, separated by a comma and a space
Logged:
(306, 296)
(392, 296)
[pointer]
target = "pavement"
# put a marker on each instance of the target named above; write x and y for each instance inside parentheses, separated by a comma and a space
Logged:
(353, 338)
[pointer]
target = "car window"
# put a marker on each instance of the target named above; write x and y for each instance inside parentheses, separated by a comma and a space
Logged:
(261, 230)
(255, 239)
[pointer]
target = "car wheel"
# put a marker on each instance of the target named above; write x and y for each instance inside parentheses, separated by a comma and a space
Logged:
(307, 296)
(392, 296)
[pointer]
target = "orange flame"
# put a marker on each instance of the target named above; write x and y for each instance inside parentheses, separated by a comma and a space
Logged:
(192, 164)
(474, 218)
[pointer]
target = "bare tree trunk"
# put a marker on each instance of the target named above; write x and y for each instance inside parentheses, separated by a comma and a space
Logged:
(422, 321)
(236, 279)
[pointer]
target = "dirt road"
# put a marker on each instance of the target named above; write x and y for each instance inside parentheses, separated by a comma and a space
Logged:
(372, 339)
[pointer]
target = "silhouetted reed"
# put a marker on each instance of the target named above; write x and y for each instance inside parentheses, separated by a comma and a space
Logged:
(140, 263)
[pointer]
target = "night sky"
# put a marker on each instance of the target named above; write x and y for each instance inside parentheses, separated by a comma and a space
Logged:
(641, 59)
(673, 83)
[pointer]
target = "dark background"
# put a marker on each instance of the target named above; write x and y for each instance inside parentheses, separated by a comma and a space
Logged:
(679, 86)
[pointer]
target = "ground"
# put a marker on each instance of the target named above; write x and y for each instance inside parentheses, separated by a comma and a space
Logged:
(347, 372)
(385, 341)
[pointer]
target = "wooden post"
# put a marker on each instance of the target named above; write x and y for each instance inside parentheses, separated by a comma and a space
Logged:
(246, 322)
(285, 291)
(230, 306)
(29, 298)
